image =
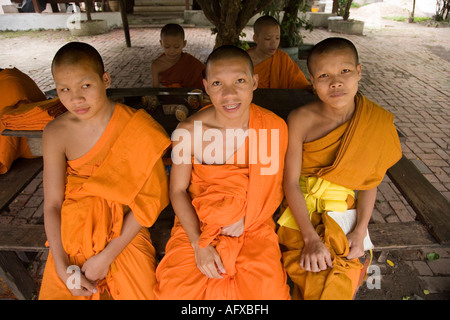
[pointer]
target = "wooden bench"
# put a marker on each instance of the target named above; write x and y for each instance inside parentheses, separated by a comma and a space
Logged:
(431, 207)
(15, 239)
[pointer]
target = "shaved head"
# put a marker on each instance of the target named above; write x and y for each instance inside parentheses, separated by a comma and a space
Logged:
(172, 30)
(329, 45)
(75, 52)
(264, 21)
(228, 52)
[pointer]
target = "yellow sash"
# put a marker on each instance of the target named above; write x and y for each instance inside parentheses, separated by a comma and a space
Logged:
(320, 195)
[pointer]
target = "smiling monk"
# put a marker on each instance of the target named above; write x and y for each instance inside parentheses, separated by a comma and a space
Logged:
(223, 244)
(104, 184)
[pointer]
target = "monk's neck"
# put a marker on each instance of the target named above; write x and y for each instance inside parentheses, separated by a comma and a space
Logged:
(174, 60)
(339, 115)
(239, 123)
(258, 56)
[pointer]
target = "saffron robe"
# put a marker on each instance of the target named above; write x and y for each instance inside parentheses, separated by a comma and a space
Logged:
(280, 72)
(15, 87)
(32, 116)
(221, 196)
(186, 73)
(123, 171)
(356, 155)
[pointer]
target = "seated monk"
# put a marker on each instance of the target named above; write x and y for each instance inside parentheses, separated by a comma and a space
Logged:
(104, 185)
(338, 144)
(274, 67)
(175, 68)
(15, 88)
(223, 243)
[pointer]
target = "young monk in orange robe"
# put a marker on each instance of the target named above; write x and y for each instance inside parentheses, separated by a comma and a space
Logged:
(104, 185)
(175, 68)
(340, 143)
(274, 67)
(15, 87)
(223, 244)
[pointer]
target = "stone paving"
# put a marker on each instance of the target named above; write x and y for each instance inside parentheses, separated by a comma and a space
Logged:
(406, 70)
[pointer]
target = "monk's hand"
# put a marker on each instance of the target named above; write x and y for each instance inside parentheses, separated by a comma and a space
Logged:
(76, 282)
(96, 267)
(234, 230)
(356, 244)
(209, 262)
(85, 289)
(315, 256)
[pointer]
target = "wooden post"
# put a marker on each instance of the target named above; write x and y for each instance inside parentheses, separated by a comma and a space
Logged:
(126, 29)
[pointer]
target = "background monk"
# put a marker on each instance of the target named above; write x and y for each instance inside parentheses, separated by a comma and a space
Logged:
(340, 143)
(104, 184)
(274, 67)
(223, 244)
(175, 68)
(15, 87)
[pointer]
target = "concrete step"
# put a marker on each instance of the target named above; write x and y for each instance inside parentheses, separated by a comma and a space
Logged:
(147, 19)
(159, 3)
(159, 8)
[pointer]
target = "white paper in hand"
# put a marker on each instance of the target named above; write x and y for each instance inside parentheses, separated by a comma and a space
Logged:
(347, 221)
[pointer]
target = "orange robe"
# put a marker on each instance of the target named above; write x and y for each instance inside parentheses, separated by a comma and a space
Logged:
(280, 72)
(32, 116)
(15, 87)
(222, 195)
(355, 155)
(123, 171)
(186, 73)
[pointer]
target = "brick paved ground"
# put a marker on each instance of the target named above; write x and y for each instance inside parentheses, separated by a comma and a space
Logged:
(405, 69)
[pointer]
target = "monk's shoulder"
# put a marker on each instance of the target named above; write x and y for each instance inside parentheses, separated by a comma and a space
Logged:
(274, 119)
(160, 63)
(305, 117)
(190, 58)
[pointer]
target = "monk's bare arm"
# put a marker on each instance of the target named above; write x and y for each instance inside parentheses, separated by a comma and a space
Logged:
(207, 259)
(364, 209)
(97, 266)
(315, 256)
(155, 70)
(54, 187)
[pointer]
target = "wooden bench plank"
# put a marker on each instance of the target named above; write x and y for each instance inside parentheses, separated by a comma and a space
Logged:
(19, 175)
(22, 238)
(396, 235)
(431, 207)
(16, 277)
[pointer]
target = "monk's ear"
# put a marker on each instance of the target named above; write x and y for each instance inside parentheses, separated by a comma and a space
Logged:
(255, 81)
(358, 69)
(106, 79)
(205, 85)
(184, 43)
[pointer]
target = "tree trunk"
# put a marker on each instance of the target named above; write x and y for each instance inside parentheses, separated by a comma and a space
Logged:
(289, 23)
(88, 10)
(347, 10)
(230, 17)
(411, 17)
(335, 6)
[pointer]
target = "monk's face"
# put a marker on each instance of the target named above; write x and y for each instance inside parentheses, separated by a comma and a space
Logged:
(80, 88)
(335, 76)
(230, 85)
(172, 46)
(268, 39)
